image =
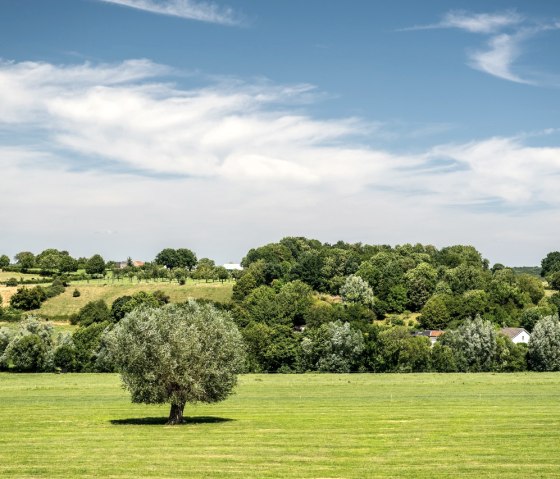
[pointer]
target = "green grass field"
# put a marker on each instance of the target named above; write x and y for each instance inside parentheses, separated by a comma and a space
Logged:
(287, 426)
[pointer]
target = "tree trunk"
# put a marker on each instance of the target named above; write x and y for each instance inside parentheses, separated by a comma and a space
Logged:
(176, 414)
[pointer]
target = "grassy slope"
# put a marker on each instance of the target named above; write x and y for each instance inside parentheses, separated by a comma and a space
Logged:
(293, 426)
(64, 305)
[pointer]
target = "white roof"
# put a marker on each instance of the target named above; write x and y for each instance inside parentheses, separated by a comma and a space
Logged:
(233, 266)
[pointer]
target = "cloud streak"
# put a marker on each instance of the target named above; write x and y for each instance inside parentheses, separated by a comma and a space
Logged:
(507, 32)
(474, 23)
(498, 59)
(187, 9)
(121, 117)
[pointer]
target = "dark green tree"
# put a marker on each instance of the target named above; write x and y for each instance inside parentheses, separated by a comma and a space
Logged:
(550, 264)
(92, 312)
(4, 261)
(95, 265)
(27, 299)
(25, 260)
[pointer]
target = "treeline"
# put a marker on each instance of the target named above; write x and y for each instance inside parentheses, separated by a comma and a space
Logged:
(299, 300)
(34, 346)
(337, 347)
(169, 265)
(303, 305)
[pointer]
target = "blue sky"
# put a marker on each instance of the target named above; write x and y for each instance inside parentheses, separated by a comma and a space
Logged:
(130, 125)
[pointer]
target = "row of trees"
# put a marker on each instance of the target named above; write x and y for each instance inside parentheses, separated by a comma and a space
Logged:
(53, 261)
(334, 346)
(169, 265)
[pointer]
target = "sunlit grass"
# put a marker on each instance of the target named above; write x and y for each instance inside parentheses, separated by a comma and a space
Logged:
(65, 304)
(287, 426)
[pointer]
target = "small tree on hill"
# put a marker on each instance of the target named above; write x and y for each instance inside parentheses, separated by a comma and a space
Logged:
(177, 354)
(4, 261)
(95, 265)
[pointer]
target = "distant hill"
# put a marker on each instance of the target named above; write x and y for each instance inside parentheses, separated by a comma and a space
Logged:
(532, 270)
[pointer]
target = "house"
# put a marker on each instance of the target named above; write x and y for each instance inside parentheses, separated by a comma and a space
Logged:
(432, 334)
(124, 264)
(517, 335)
(233, 267)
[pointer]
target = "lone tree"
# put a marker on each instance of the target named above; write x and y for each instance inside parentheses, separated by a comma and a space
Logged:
(177, 354)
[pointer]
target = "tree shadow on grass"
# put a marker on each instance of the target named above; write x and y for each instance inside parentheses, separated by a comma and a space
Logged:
(151, 421)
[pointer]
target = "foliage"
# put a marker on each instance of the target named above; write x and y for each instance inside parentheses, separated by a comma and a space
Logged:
(65, 355)
(27, 299)
(420, 284)
(356, 290)
(544, 345)
(510, 357)
(4, 261)
(554, 280)
(271, 348)
(177, 354)
(530, 317)
(550, 264)
(87, 342)
(5, 337)
(399, 351)
(12, 282)
(10, 314)
(474, 345)
(443, 359)
(95, 265)
(125, 304)
(25, 259)
(332, 347)
(29, 348)
(435, 313)
(92, 312)
(176, 258)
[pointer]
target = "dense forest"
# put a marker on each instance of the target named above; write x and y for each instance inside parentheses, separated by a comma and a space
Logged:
(303, 305)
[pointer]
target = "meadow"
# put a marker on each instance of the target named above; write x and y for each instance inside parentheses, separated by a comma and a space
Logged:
(289, 426)
(64, 305)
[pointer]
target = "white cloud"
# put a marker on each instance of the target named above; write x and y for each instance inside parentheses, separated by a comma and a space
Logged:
(115, 149)
(498, 59)
(474, 22)
(188, 9)
(508, 30)
(480, 22)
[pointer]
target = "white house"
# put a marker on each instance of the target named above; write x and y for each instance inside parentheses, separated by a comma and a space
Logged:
(233, 266)
(517, 335)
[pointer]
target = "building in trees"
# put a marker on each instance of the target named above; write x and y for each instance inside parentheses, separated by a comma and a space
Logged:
(517, 335)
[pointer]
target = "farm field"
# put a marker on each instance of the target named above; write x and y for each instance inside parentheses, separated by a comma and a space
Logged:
(294, 426)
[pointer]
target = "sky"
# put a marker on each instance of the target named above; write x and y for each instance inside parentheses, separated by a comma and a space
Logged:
(128, 126)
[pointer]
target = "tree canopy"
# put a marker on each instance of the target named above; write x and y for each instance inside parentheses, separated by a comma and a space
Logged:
(177, 354)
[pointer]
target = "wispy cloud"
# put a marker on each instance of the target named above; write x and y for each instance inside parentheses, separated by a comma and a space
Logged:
(480, 22)
(474, 22)
(498, 59)
(507, 32)
(240, 132)
(188, 9)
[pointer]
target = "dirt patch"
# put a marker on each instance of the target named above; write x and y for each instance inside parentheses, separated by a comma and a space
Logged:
(7, 292)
